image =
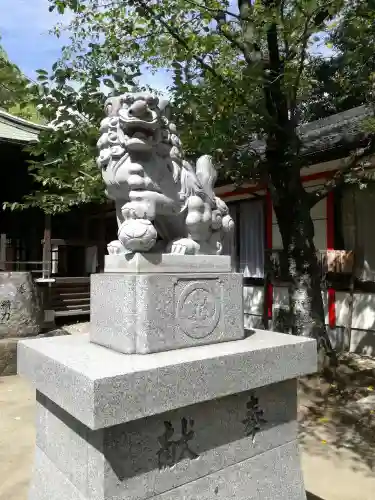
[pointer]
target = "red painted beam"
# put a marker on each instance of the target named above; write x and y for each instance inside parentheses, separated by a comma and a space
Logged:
(258, 187)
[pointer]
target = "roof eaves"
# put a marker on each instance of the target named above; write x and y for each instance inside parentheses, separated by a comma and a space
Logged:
(20, 122)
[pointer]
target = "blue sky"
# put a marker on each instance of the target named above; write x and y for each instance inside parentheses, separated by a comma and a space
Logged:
(24, 30)
(24, 26)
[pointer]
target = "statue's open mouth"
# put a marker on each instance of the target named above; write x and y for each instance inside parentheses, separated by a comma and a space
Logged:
(139, 139)
(140, 134)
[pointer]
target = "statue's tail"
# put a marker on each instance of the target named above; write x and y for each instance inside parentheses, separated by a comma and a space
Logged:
(206, 174)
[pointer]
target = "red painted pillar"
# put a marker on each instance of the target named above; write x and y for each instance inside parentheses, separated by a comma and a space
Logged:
(331, 246)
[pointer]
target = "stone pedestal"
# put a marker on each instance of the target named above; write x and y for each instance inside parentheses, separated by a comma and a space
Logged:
(161, 302)
(203, 422)
(208, 422)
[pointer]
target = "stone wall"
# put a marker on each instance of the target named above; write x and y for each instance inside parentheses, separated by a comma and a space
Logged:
(21, 313)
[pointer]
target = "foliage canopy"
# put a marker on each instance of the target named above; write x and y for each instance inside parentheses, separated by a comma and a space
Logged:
(14, 92)
(218, 54)
(243, 76)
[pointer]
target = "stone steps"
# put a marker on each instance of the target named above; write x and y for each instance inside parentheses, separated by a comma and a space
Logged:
(71, 297)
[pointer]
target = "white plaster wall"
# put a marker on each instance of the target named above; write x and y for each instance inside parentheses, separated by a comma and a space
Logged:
(253, 306)
(362, 342)
(363, 324)
(363, 310)
(319, 216)
(320, 237)
(342, 308)
(276, 237)
(253, 300)
(362, 334)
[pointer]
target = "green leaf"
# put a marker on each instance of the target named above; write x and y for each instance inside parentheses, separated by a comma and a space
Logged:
(108, 83)
(119, 76)
(61, 5)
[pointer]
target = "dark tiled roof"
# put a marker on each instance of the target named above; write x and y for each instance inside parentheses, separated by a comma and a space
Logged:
(18, 130)
(344, 129)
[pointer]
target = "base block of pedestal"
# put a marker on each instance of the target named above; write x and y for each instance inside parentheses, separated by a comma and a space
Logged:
(49, 483)
(149, 456)
(273, 475)
(223, 448)
(208, 422)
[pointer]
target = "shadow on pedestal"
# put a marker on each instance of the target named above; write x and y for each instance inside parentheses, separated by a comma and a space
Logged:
(310, 496)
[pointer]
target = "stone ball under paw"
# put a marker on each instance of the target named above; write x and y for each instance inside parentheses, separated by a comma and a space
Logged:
(137, 235)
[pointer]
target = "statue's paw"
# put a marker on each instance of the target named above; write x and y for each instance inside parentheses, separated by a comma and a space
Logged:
(115, 248)
(137, 235)
(129, 212)
(139, 208)
(228, 224)
(184, 246)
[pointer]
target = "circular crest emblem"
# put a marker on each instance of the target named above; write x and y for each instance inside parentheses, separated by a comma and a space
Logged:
(198, 310)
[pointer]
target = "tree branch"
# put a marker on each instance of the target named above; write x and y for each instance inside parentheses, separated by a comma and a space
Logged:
(354, 165)
(286, 41)
(318, 16)
(301, 65)
(275, 96)
(151, 14)
(216, 12)
(250, 47)
(236, 43)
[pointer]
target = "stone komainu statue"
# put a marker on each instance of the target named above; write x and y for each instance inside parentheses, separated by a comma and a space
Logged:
(162, 202)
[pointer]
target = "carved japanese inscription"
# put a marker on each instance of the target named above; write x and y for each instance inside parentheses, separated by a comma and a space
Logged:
(198, 308)
(254, 420)
(173, 451)
(5, 306)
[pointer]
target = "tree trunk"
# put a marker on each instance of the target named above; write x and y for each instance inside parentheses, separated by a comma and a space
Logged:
(291, 202)
(292, 208)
